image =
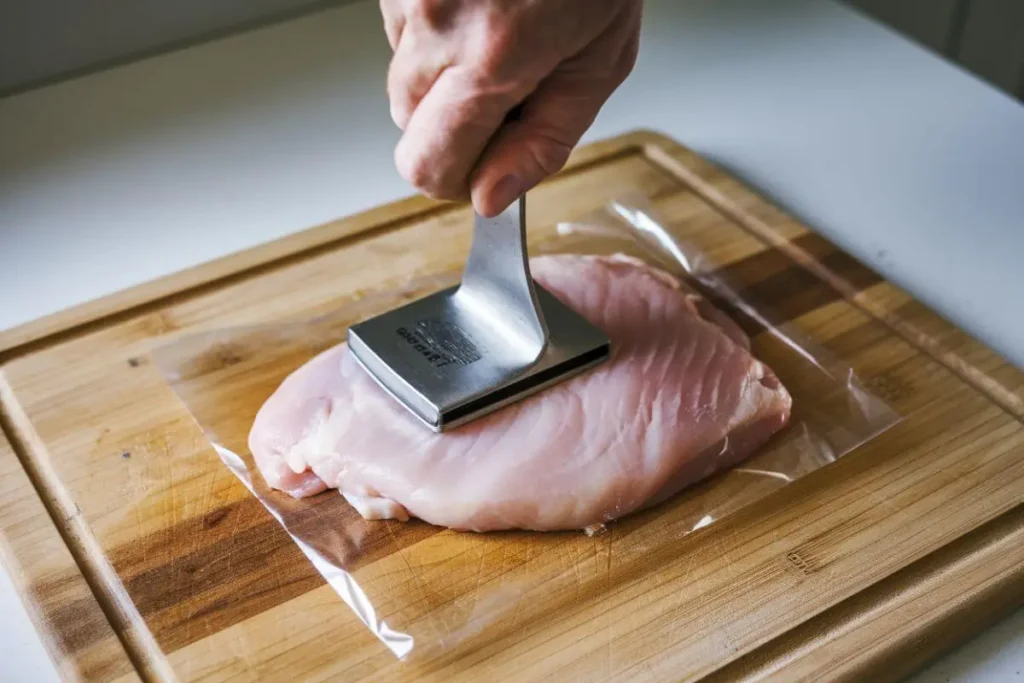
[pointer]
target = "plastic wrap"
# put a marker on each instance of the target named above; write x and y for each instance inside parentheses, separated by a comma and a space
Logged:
(417, 607)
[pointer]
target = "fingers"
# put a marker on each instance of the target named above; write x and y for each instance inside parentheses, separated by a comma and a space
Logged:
(455, 145)
(447, 133)
(554, 119)
(413, 71)
(525, 152)
(394, 21)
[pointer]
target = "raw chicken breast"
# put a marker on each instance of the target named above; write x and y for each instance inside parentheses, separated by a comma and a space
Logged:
(680, 399)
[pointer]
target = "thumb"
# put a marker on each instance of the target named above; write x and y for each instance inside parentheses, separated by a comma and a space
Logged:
(526, 151)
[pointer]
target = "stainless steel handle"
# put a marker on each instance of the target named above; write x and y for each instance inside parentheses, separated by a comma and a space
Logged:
(497, 285)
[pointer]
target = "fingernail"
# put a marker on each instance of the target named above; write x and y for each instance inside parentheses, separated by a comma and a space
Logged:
(398, 115)
(506, 191)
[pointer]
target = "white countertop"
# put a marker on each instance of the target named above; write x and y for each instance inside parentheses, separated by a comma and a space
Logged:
(906, 161)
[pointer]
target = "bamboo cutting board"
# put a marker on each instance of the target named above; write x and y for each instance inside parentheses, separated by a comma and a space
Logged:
(141, 557)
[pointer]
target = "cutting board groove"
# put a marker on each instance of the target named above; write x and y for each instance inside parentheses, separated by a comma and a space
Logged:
(183, 575)
(814, 650)
(1012, 402)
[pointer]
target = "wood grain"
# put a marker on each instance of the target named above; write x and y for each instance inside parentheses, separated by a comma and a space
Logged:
(200, 583)
(830, 646)
(75, 631)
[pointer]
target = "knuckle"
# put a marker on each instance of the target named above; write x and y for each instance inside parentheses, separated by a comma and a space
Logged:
(498, 38)
(435, 14)
(496, 50)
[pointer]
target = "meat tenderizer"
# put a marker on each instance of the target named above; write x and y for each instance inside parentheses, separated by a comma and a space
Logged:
(495, 338)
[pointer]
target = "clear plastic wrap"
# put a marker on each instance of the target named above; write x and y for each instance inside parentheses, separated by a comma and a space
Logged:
(414, 605)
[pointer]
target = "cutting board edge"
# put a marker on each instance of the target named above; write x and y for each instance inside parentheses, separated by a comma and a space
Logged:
(91, 315)
(25, 338)
(966, 610)
(680, 161)
(666, 153)
(962, 619)
(12, 557)
(659, 149)
(105, 589)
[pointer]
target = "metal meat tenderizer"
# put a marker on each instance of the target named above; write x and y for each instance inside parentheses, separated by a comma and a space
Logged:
(492, 340)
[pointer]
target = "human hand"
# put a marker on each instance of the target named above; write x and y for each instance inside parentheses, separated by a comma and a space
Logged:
(461, 65)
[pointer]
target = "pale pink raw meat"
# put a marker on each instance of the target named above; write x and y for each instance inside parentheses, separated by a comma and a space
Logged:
(680, 399)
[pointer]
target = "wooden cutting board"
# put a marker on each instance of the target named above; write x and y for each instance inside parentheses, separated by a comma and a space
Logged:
(139, 555)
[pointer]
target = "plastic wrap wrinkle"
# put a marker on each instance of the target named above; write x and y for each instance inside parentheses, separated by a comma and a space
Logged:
(437, 589)
(340, 580)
